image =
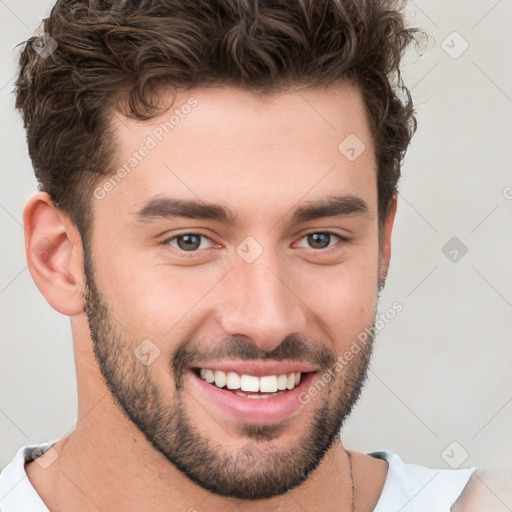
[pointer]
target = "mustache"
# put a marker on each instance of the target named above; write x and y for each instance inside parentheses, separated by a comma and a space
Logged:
(292, 348)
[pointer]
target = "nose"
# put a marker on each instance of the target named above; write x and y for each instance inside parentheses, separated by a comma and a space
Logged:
(259, 303)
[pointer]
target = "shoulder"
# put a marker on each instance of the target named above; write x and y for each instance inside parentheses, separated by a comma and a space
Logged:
(412, 487)
(489, 490)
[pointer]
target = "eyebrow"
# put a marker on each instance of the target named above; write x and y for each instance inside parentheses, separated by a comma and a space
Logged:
(169, 207)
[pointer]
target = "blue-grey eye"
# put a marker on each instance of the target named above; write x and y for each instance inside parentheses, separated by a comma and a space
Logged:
(321, 240)
(188, 242)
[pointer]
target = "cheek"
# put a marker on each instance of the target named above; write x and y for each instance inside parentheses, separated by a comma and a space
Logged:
(157, 301)
(163, 302)
(344, 296)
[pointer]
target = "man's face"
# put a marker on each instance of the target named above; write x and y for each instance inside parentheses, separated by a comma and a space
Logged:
(180, 295)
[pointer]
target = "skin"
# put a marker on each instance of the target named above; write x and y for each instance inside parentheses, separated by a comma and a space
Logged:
(252, 154)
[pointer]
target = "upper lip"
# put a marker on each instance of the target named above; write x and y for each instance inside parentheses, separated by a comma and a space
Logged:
(259, 369)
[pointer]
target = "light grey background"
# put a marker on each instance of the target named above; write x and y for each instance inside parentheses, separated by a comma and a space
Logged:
(441, 371)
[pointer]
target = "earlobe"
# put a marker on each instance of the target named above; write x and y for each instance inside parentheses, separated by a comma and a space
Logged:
(385, 243)
(54, 254)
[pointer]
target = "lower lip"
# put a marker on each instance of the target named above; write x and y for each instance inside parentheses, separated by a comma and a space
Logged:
(253, 410)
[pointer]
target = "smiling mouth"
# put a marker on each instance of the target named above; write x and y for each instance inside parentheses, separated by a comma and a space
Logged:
(251, 386)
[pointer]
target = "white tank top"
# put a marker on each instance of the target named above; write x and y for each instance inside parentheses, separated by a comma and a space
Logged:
(412, 488)
(408, 488)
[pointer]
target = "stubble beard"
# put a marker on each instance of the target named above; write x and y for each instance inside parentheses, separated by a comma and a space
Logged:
(258, 470)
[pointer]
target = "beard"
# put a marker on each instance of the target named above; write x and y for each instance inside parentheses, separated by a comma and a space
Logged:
(260, 469)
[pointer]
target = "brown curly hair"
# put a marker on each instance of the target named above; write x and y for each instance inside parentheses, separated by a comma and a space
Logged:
(110, 53)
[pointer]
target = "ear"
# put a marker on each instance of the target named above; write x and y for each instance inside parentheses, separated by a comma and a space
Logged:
(54, 254)
(385, 242)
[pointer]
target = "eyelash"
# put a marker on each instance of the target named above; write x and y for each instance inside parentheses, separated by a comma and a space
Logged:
(191, 254)
(187, 254)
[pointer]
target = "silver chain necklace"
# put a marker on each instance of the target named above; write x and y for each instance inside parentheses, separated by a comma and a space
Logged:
(352, 485)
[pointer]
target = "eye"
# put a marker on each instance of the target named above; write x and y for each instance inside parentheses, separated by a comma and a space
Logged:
(188, 242)
(194, 242)
(322, 239)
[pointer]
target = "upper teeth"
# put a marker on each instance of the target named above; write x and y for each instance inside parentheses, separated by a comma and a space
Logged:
(265, 384)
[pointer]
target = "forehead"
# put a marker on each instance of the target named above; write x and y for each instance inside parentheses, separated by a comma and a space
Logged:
(248, 151)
